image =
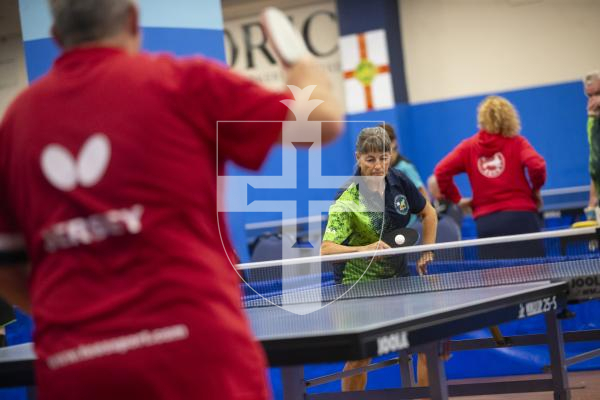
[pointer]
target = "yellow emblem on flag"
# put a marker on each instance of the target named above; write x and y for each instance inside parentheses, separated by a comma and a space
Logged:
(366, 70)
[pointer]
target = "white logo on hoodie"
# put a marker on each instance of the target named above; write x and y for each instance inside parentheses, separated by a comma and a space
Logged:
(492, 167)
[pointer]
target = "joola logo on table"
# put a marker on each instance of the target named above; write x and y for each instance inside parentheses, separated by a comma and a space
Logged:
(393, 342)
(585, 282)
(585, 287)
(537, 307)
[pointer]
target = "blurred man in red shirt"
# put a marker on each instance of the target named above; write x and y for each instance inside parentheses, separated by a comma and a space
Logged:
(108, 177)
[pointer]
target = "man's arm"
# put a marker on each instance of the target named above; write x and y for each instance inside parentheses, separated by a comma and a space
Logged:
(593, 196)
(328, 247)
(445, 170)
(307, 72)
(430, 220)
(535, 164)
(14, 287)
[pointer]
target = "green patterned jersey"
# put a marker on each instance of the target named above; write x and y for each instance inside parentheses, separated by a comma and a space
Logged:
(353, 223)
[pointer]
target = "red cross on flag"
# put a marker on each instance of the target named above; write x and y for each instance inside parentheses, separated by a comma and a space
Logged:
(367, 76)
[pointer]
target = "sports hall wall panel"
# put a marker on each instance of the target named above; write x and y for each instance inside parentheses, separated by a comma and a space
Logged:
(182, 27)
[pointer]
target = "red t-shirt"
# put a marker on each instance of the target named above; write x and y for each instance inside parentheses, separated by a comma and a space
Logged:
(108, 170)
(496, 168)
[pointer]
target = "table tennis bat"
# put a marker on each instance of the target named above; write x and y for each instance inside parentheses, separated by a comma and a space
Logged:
(401, 237)
(287, 41)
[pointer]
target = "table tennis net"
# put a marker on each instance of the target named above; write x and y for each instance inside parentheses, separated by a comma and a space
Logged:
(555, 255)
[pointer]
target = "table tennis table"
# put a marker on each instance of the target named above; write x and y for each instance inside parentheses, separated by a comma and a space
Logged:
(360, 328)
(409, 314)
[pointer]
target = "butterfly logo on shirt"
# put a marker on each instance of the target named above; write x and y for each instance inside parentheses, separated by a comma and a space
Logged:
(492, 167)
(66, 172)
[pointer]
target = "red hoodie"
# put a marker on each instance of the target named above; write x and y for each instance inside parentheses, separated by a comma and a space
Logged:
(496, 168)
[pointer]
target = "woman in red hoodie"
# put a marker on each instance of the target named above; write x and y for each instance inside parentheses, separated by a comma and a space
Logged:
(505, 201)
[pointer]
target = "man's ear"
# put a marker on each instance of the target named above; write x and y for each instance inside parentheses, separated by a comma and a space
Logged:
(56, 37)
(133, 20)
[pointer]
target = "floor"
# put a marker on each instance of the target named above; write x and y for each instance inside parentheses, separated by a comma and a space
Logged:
(589, 380)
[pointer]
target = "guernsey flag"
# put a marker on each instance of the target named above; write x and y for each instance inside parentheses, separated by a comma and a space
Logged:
(367, 77)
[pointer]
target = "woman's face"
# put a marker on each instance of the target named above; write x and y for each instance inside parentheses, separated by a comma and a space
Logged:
(593, 89)
(374, 163)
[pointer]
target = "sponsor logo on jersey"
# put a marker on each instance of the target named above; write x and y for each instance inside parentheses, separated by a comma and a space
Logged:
(401, 204)
(95, 228)
(66, 173)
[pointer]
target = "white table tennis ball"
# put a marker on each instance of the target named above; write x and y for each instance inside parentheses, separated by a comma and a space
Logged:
(399, 239)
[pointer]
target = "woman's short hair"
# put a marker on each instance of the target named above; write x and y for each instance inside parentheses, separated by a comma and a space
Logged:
(497, 115)
(373, 140)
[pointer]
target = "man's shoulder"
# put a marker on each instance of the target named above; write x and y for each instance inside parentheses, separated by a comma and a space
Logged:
(194, 64)
(25, 98)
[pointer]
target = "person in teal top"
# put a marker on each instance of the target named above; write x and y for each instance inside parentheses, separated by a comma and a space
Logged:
(592, 90)
(379, 199)
(403, 164)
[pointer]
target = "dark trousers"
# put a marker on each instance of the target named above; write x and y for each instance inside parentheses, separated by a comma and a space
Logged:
(510, 223)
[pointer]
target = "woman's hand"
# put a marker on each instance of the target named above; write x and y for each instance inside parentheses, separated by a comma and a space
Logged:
(466, 205)
(424, 261)
(537, 197)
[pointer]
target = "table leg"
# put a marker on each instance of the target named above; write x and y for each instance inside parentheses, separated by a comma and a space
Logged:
(292, 379)
(407, 372)
(558, 364)
(438, 385)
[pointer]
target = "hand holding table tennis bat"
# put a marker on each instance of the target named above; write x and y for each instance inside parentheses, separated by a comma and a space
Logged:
(401, 237)
(286, 40)
(302, 69)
